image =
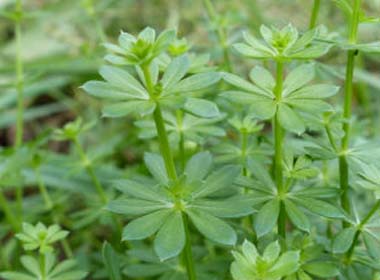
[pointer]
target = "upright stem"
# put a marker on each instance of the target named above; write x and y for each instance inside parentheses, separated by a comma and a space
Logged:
(161, 131)
(359, 230)
(220, 32)
(90, 171)
(11, 218)
(278, 150)
(19, 76)
(43, 266)
(20, 94)
(42, 188)
(330, 137)
(314, 14)
(181, 144)
(164, 143)
(343, 164)
(170, 169)
(244, 145)
(187, 253)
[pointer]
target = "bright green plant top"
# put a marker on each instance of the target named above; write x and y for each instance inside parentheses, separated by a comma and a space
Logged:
(271, 265)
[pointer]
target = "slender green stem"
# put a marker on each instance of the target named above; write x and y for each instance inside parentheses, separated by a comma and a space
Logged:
(278, 150)
(164, 143)
(244, 145)
(314, 14)
(19, 76)
(90, 171)
(11, 218)
(220, 32)
(187, 253)
(42, 262)
(170, 169)
(20, 94)
(42, 188)
(181, 144)
(67, 248)
(330, 137)
(359, 230)
(160, 126)
(343, 164)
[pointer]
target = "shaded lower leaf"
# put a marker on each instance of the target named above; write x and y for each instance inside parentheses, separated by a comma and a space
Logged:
(319, 207)
(372, 244)
(131, 206)
(122, 109)
(296, 216)
(267, 217)
(289, 119)
(145, 226)
(170, 239)
(343, 240)
(111, 262)
(212, 227)
(324, 269)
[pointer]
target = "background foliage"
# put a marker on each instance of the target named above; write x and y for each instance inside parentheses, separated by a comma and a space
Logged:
(62, 169)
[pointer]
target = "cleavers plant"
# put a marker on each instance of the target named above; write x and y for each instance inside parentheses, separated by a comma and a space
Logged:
(248, 160)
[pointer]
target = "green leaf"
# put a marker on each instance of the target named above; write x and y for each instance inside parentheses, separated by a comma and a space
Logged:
(175, 71)
(244, 85)
(213, 228)
(201, 108)
(267, 217)
(311, 52)
(237, 206)
(30, 264)
(145, 226)
(323, 269)
(372, 244)
(345, 6)
(250, 52)
(122, 80)
(317, 192)
(106, 91)
(135, 207)
(343, 240)
(139, 190)
(289, 119)
(298, 218)
(262, 77)
(258, 46)
(9, 275)
(170, 239)
(156, 166)
(262, 174)
(122, 109)
(196, 82)
(148, 34)
(263, 108)
(297, 78)
(373, 47)
(218, 180)
(198, 166)
(319, 207)
(164, 40)
(313, 106)
(271, 252)
(146, 269)
(314, 92)
(70, 275)
(286, 264)
(111, 262)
